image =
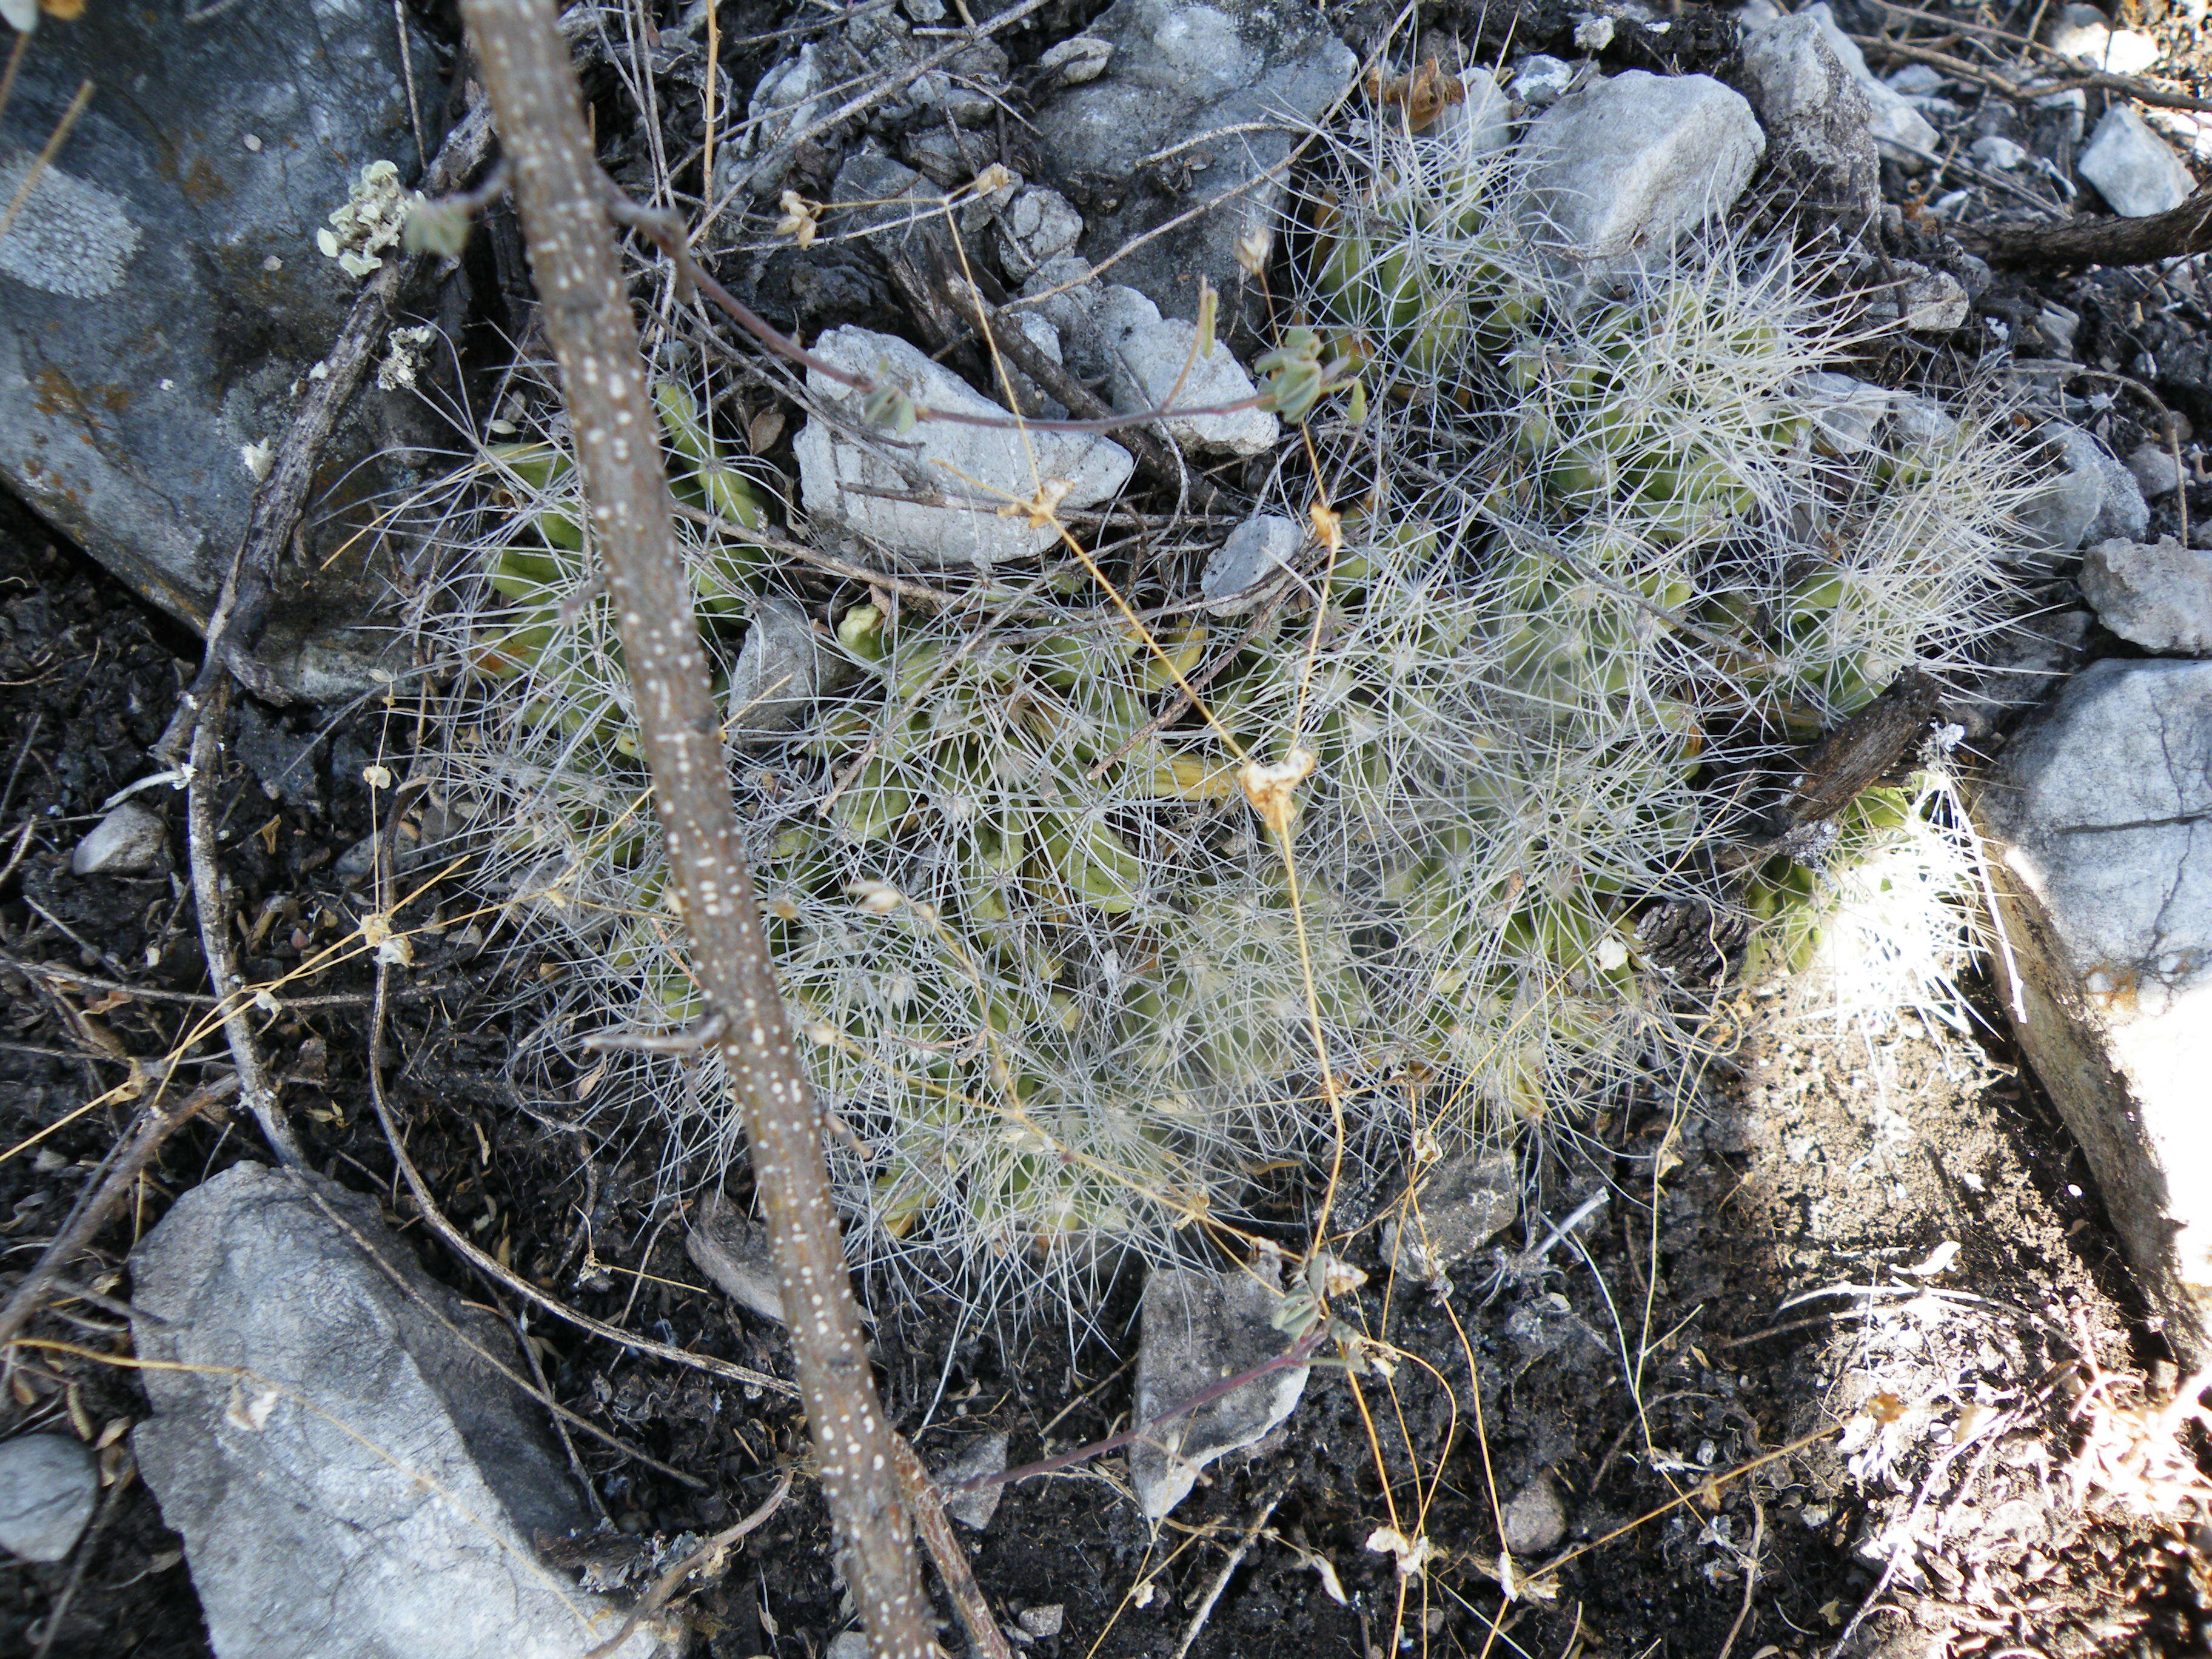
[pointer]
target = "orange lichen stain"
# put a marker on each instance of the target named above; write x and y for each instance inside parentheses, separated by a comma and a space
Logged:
(202, 183)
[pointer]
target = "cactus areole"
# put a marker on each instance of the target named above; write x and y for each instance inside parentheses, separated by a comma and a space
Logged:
(563, 197)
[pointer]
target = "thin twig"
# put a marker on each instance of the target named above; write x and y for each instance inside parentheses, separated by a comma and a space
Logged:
(157, 1123)
(928, 1504)
(1259, 1519)
(1750, 1574)
(260, 1093)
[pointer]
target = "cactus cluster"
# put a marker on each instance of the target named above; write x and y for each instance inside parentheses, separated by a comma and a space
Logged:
(1594, 560)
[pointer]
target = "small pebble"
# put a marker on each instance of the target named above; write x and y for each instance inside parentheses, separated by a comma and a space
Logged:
(131, 841)
(48, 1485)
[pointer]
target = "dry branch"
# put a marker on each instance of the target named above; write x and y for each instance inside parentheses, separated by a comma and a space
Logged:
(2100, 241)
(561, 199)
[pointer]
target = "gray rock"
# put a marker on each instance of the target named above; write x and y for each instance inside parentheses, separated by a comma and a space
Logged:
(848, 1644)
(778, 674)
(735, 1254)
(988, 1456)
(1481, 124)
(1925, 301)
(2058, 324)
(1546, 1327)
(2156, 473)
(1997, 153)
(1814, 112)
(131, 841)
(1042, 1623)
(2133, 168)
(1038, 225)
(2100, 813)
(1255, 549)
(1915, 80)
(961, 89)
(784, 98)
(1540, 80)
(1899, 129)
(364, 1484)
(948, 156)
(1617, 171)
(994, 462)
(1533, 1520)
(1229, 88)
(1148, 355)
(2084, 32)
(48, 1486)
(161, 297)
(1063, 294)
(1846, 413)
(1076, 60)
(1459, 1206)
(1198, 1328)
(2158, 596)
(2030, 660)
(2090, 497)
(1922, 426)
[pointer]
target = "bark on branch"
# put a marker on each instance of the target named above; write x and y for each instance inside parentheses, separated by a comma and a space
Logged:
(2177, 232)
(562, 201)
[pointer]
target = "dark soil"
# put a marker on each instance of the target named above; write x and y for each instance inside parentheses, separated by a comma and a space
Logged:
(1748, 1283)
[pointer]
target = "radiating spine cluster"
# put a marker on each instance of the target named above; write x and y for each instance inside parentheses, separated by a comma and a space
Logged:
(1045, 956)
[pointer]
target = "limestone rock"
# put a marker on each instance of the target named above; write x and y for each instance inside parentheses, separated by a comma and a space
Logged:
(1480, 123)
(1147, 354)
(975, 469)
(1255, 549)
(735, 1252)
(2157, 596)
(2133, 168)
(161, 295)
(365, 1484)
(1459, 1206)
(1038, 225)
(1227, 82)
(1815, 113)
(988, 1456)
(2090, 496)
(49, 1484)
(2084, 32)
(1997, 153)
(1540, 80)
(1533, 1520)
(1073, 62)
(131, 841)
(1899, 129)
(1198, 1328)
(2156, 473)
(2100, 816)
(1620, 169)
(778, 674)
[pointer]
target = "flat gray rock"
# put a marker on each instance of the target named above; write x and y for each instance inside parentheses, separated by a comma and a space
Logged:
(371, 1488)
(1228, 88)
(1037, 225)
(1255, 549)
(49, 1484)
(162, 295)
(2156, 595)
(778, 674)
(1199, 1327)
(1618, 171)
(2089, 496)
(1815, 112)
(2156, 473)
(985, 1457)
(2100, 816)
(1152, 362)
(977, 469)
(1459, 1206)
(2133, 168)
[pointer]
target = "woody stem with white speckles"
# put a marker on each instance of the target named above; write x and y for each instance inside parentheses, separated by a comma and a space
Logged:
(561, 196)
